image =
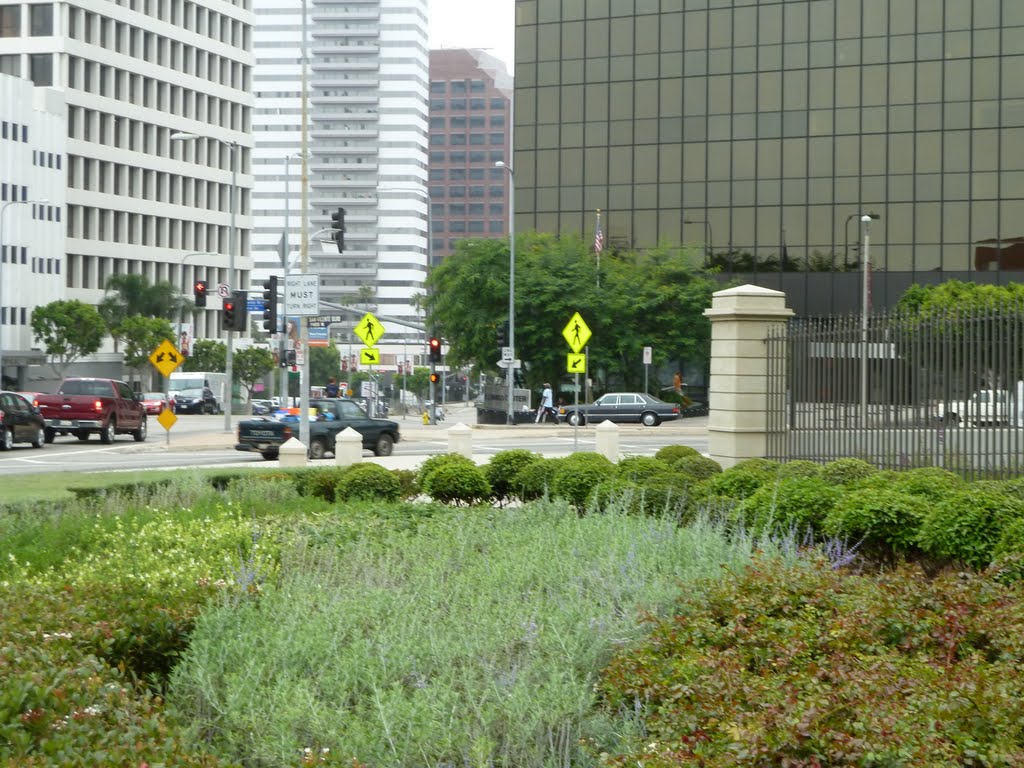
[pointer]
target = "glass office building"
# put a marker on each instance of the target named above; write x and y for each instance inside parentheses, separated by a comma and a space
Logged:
(765, 128)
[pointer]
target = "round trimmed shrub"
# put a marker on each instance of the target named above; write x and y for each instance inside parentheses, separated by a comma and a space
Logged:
(534, 480)
(846, 471)
(697, 468)
(433, 462)
(967, 525)
(933, 483)
(502, 469)
(1014, 487)
(767, 466)
(794, 502)
(457, 483)
(882, 517)
(577, 476)
(735, 483)
(368, 481)
(669, 453)
(616, 492)
(639, 468)
(800, 468)
(321, 482)
(670, 494)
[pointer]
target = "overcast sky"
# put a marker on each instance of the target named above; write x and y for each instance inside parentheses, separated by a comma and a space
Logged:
(474, 24)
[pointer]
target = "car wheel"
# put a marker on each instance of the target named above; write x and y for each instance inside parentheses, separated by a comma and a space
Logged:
(109, 432)
(650, 420)
(49, 435)
(576, 419)
(82, 436)
(40, 438)
(269, 455)
(7, 440)
(317, 448)
(385, 445)
(139, 435)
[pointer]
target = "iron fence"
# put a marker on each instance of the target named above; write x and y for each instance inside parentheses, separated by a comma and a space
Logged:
(901, 390)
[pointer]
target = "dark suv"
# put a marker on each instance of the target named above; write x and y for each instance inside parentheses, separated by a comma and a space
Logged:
(195, 401)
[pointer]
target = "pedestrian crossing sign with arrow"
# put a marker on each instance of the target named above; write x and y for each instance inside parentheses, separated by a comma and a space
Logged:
(166, 357)
(576, 363)
(369, 356)
(576, 333)
(369, 330)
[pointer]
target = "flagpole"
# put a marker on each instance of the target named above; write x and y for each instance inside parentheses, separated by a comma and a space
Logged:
(598, 247)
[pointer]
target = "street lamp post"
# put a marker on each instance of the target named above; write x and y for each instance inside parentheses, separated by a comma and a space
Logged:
(708, 244)
(865, 220)
(229, 368)
(3, 210)
(510, 371)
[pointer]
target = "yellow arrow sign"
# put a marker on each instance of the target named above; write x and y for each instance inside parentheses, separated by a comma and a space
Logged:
(369, 356)
(576, 332)
(369, 329)
(165, 358)
(575, 363)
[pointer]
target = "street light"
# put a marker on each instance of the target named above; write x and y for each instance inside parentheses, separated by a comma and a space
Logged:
(510, 371)
(229, 368)
(865, 221)
(3, 209)
(708, 244)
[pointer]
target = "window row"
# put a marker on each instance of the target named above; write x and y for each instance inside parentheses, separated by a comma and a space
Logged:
(42, 212)
(9, 254)
(138, 136)
(460, 191)
(13, 131)
(39, 17)
(461, 209)
(459, 105)
(460, 123)
(46, 159)
(473, 226)
(13, 192)
(478, 156)
(459, 139)
(13, 316)
(97, 29)
(461, 174)
(40, 67)
(87, 271)
(158, 231)
(457, 87)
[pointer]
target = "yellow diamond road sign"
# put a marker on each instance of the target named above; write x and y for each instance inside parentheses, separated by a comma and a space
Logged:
(369, 356)
(369, 330)
(575, 363)
(165, 358)
(167, 419)
(576, 333)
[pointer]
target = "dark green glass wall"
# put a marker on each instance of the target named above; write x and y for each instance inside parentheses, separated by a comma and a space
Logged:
(775, 122)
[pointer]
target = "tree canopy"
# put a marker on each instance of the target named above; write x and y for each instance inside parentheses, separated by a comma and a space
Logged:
(141, 336)
(207, 355)
(654, 298)
(68, 331)
(250, 365)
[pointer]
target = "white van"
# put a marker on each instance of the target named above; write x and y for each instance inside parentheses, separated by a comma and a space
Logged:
(217, 382)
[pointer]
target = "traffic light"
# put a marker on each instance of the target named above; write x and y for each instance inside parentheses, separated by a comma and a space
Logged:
(338, 225)
(270, 305)
(235, 315)
(288, 361)
(503, 335)
(434, 378)
(199, 290)
(435, 349)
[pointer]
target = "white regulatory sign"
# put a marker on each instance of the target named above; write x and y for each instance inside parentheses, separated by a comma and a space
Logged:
(302, 294)
(647, 356)
(506, 353)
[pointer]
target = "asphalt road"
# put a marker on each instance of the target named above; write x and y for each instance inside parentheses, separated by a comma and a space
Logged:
(200, 441)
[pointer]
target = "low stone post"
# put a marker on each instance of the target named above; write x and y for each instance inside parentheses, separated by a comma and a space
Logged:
(460, 440)
(293, 453)
(348, 448)
(741, 320)
(606, 440)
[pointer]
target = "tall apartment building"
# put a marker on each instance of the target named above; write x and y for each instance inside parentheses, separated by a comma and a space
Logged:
(33, 155)
(368, 80)
(134, 74)
(470, 100)
(771, 126)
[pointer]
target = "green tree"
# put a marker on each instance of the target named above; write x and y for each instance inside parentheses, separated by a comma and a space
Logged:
(68, 331)
(324, 362)
(141, 336)
(132, 295)
(207, 355)
(250, 365)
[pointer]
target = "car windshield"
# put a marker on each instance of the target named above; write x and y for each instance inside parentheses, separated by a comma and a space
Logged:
(152, 395)
(191, 393)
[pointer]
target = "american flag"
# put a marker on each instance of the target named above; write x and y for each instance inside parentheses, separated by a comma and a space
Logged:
(598, 236)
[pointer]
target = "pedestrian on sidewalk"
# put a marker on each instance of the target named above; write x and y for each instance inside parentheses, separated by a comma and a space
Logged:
(547, 405)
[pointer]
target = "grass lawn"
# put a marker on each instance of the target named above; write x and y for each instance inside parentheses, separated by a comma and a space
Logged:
(53, 486)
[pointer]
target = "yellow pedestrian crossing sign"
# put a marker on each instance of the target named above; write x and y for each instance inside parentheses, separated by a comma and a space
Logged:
(575, 363)
(166, 357)
(369, 356)
(369, 330)
(576, 333)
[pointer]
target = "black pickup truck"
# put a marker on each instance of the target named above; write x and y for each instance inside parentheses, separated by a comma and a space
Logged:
(267, 434)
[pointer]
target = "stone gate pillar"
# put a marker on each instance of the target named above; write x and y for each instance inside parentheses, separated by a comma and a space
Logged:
(741, 319)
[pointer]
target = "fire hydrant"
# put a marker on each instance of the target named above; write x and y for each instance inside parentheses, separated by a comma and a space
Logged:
(426, 417)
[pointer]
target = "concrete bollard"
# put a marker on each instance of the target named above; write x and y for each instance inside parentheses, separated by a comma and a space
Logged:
(348, 448)
(606, 440)
(293, 453)
(460, 440)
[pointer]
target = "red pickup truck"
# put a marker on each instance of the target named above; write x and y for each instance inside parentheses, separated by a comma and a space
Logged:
(84, 406)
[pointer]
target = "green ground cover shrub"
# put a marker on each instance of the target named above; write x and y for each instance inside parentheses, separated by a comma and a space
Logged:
(735, 483)
(502, 469)
(799, 468)
(459, 484)
(475, 642)
(577, 476)
(433, 462)
(669, 453)
(696, 467)
(368, 481)
(847, 471)
(321, 482)
(798, 503)
(887, 519)
(967, 525)
(806, 665)
(639, 468)
(534, 480)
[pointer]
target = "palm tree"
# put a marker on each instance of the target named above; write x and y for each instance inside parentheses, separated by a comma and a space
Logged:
(131, 295)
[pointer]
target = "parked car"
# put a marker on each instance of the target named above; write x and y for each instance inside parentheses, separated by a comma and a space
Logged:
(265, 435)
(200, 400)
(983, 407)
(260, 407)
(621, 408)
(20, 422)
(84, 406)
(157, 402)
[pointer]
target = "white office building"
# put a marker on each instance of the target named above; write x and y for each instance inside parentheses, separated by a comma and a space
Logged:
(32, 161)
(368, 75)
(134, 74)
